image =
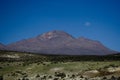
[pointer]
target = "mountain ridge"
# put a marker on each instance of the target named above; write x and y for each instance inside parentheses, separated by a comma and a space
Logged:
(60, 42)
(2, 46)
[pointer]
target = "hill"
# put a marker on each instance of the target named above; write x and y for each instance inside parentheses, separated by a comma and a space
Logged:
(2, 46)
(60, 43)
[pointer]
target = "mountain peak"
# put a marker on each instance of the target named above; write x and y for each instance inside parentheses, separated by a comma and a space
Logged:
(54, 34)
(60, 42)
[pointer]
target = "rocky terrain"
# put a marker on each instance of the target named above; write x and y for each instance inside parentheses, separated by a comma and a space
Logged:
(2, 47)
(60, 43)
(28, 66)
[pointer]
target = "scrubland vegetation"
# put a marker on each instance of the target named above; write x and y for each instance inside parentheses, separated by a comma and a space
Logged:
(27, 66)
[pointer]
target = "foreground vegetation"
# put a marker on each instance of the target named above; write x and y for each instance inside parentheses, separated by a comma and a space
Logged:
(27, 66)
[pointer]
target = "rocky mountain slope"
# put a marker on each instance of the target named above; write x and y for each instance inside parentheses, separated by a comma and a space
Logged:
(2, 47)
(60, 42)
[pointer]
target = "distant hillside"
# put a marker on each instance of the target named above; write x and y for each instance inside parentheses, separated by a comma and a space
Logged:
(2, 47)
(23, 56)
(60, 43)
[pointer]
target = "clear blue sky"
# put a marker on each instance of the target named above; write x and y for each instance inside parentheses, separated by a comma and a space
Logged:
(94, 19)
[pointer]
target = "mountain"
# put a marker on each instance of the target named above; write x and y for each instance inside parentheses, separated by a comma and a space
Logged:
(2, 47)
(62, 43)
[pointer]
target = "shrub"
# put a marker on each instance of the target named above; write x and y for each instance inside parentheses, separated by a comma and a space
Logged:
(58, 74)
(113, 78)
(118, 78)
(55, 78)
(1, 77)
(37, 75)
(104, 78)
